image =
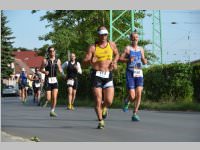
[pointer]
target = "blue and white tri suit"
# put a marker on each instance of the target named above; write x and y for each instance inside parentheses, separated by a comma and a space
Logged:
(134, 75)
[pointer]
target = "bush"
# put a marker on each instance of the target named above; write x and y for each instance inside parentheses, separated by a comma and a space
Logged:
(168, 82)
(196, 81)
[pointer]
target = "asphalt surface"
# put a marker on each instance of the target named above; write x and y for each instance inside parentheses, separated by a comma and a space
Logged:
(26, 121)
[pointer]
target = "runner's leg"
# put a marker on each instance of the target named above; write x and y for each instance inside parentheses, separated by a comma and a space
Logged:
(54, 102)
(138, 98)
(73, 97)
(69, 91)
(38, 96)
(98, 99)
(108, 99)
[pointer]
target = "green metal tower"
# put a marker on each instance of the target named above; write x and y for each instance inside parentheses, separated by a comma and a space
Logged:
(118, 19)
(157, 36)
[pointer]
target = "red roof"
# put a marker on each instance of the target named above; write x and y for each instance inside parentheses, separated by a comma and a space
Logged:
(23, 54)
(34, 61)
(30, 58)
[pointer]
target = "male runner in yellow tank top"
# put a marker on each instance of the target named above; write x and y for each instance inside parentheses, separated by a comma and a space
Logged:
(100, 57)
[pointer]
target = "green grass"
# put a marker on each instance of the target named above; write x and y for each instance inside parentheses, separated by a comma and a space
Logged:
(145, 105)
(175, 106)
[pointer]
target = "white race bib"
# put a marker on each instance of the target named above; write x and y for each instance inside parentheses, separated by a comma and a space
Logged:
(138, 73)
(37, 84)
(70, 82)
(102, 74)
(52, 80)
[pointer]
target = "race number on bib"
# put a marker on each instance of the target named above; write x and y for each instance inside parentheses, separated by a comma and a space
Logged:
(102, 74)
(70, 82)
(52, 80)
(37, 85)
(138, 73)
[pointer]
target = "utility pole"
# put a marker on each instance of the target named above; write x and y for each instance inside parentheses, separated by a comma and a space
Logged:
(189, 47)
(157, 36)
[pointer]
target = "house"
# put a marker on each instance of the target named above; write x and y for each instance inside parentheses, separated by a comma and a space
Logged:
(24, 59)
(30, 58)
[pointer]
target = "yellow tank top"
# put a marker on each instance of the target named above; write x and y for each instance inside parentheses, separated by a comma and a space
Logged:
(103, 53)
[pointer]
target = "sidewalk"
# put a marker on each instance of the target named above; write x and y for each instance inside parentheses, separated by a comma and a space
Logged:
(5, 137)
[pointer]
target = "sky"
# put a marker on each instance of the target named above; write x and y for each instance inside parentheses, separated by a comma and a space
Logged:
(26, 28)
(180, 40)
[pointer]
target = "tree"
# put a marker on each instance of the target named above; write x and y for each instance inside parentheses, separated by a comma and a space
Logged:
(6, 48)
(73, 30)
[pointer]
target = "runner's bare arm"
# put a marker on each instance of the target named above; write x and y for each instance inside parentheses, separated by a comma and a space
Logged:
(43, 66)
(115, 52)
(79, 68)
(89, 55)
(30, 78)
(60, 68)
(123, 57)
(116, 56)
(144, 60)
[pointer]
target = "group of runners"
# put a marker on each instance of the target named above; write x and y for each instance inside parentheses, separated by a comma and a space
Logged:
(103, 57)
(23, 85)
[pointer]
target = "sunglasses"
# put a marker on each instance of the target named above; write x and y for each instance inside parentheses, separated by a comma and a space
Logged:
(51, 51)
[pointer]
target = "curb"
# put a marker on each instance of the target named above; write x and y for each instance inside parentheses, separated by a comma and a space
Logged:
(5, 137)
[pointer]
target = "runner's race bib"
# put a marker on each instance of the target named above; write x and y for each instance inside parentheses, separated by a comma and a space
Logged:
(102, 74)
(138, 73)
(70, 82)
(37, 85)
(52, 80)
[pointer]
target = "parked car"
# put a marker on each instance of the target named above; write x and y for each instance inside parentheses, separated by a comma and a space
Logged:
(10, 90)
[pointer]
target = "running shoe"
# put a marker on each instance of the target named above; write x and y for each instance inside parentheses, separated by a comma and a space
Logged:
(101, 125)
(53, 114)
(126, 105)
(135, 118)
(72, 107)
(69, 106)
(104, 113)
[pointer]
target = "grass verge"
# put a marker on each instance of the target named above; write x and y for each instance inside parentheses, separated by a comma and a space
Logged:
(145, 105)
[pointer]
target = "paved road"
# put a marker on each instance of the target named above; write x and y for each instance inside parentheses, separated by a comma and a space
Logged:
(80, 125)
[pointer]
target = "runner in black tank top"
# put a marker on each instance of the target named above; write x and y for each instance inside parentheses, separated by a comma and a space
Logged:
(51, 65)
(36, 84)
(73, 68)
